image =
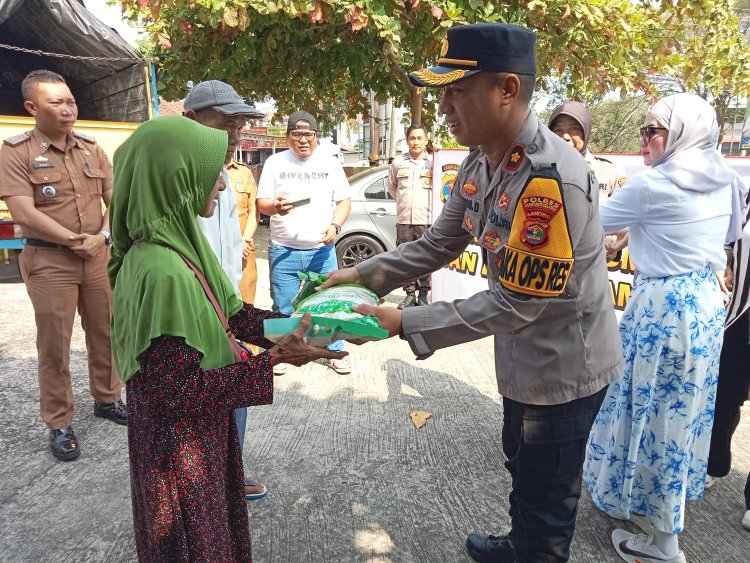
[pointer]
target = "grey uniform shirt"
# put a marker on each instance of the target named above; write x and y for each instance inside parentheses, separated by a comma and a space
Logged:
(548, 304)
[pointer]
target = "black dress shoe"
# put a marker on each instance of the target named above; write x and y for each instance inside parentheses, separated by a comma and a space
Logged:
(113, 411)
(63, 444)
(408, 301)
(490, 549)
(423, 298)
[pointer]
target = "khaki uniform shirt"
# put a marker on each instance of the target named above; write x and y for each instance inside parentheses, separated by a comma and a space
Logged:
(67, 185)
(410, 184)
(548, 305)
(245, 191)
(611, 176)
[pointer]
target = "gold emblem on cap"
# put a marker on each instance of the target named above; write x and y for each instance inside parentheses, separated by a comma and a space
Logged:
(444, 47)
(435, 79)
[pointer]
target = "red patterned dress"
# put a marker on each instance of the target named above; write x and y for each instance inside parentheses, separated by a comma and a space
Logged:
(185, 463)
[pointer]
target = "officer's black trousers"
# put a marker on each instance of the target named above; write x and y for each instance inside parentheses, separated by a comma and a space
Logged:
(545, 448)
(731, 393)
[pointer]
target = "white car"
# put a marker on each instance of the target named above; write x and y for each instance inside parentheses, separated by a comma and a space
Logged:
(371, 226)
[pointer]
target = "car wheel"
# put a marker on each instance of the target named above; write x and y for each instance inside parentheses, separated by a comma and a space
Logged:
(354, 249)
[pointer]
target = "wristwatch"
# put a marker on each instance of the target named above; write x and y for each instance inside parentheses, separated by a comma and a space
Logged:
(337, 227)
(107, 237)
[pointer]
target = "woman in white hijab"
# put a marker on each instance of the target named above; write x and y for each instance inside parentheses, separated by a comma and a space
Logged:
(648, 449)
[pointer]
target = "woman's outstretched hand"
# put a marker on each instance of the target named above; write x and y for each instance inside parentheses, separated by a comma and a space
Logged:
(292, 348)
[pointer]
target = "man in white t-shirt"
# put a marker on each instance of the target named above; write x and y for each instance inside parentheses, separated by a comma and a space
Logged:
(306, 194)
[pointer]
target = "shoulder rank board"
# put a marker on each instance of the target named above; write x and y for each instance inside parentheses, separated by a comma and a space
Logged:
(84, 136)
(16, 140)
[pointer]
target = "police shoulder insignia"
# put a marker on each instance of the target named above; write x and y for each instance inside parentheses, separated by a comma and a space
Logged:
(538, 258)
(84, 136)
(515, 158)
(622, 180)
(16, 140)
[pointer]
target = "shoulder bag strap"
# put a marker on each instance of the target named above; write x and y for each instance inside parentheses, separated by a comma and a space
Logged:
(239, 353)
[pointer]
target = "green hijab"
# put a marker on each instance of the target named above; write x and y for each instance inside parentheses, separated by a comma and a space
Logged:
(164, 173)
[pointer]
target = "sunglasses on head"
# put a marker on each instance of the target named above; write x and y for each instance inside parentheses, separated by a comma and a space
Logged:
(309, 135)
(648, 131)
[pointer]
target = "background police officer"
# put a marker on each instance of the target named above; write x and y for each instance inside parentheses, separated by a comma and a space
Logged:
(571, 122)
(529, 201)
(410, 184)
(54, 183)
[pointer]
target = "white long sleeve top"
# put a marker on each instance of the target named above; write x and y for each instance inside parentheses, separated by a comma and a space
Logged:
(672, 231)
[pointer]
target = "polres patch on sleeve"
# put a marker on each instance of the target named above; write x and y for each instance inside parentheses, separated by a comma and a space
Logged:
(538, 258)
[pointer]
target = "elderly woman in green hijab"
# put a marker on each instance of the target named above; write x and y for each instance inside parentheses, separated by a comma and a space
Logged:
(174, 354)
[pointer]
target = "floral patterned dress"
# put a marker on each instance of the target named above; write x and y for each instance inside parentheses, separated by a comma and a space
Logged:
(648, 448)
(185, 462)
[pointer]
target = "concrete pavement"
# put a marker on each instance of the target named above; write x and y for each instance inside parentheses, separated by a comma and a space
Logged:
(350, 479)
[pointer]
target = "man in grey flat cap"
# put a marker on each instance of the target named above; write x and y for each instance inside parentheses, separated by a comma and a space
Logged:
(216, 104)
(531, 203)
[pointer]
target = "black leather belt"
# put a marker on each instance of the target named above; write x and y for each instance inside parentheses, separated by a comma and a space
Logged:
(43, 243)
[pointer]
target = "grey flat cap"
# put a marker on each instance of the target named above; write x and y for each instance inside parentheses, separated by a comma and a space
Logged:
(221, 97)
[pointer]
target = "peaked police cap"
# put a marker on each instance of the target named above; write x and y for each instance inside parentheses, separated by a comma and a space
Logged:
(469, 49)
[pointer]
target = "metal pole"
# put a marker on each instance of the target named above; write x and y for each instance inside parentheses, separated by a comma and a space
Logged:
(734, 127)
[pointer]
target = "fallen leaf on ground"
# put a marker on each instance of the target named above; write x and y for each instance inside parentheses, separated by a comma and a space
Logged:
(419, 418)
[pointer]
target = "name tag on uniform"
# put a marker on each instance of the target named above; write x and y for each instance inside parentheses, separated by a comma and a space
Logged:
(42, 165)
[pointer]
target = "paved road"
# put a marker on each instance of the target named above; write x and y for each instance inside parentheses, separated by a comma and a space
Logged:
(350, 478)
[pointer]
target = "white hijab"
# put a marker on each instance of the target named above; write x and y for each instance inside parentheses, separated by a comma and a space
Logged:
(691, 159)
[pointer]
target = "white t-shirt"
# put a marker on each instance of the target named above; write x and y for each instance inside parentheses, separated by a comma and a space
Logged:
(320, 178)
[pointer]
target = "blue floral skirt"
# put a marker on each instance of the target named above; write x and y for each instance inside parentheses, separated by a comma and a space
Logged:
(648, 448)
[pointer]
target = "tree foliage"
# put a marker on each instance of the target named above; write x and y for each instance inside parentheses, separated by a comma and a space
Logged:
(318, 54)
(709, 53)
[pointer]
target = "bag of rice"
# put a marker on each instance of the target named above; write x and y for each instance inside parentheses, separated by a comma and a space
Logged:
(331, 311)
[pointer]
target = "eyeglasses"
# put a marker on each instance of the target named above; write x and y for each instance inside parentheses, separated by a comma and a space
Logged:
(648, 131)
(309, 135)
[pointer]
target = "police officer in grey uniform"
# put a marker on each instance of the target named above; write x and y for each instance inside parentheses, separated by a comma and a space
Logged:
(531, 203)
(410, 184)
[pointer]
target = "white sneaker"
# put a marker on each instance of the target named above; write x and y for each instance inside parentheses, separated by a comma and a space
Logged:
(710, 481)
(279, 369)
(746, 520)
(640, 548)
(341, 366)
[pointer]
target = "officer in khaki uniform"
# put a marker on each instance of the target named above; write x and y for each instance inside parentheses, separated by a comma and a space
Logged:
(531, 203)
(410, 184)
(54, 182)
(571, 122)
(246, 192)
